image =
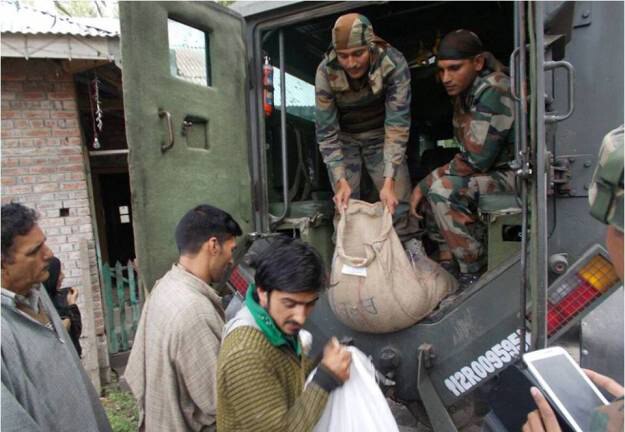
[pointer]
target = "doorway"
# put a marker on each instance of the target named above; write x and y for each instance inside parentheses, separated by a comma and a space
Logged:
(114, 210)
(100, 103)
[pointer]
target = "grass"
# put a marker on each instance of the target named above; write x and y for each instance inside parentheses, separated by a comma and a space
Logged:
(120, 408)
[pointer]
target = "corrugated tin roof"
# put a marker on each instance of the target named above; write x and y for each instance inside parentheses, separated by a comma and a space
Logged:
(190, 64)
(298, 92)
(248, 8)
(20, 19)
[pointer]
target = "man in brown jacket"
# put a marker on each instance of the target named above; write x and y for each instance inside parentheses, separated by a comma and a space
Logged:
(172, 366)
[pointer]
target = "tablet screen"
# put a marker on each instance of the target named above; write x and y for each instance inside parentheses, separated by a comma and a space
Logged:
(573, 391)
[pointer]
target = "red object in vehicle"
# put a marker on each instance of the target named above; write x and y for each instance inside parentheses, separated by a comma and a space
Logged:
(589, 280)
(267, 87)
(554, 319)
(577, 300)
(238, 281)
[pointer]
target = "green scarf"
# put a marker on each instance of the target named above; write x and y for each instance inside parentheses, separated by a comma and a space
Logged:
(267, 325)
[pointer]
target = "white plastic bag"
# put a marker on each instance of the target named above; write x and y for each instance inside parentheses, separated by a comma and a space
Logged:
(358, 405)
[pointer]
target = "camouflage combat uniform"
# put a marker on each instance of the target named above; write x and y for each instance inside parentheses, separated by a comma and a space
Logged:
(605, 196)
(483, 126)
(608, 418)
(365, 120)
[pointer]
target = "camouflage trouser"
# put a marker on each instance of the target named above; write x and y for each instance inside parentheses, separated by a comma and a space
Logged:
(368, 147)
(451, 214)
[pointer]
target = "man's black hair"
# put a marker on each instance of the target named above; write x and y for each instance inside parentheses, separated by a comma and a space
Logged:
(200, 224)
(54, 269)
(289, 265)
(17, 220)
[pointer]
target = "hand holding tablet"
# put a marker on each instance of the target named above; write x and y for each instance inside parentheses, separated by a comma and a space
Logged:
(569, 391)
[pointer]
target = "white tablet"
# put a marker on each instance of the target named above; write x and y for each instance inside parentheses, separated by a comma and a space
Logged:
(565, 385)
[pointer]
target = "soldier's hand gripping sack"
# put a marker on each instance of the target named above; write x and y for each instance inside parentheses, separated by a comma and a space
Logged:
(374, 288)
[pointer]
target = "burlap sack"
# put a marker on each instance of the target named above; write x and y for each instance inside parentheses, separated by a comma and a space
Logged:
(374, 287)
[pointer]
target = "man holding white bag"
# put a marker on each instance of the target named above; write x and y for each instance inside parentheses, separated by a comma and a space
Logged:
(262, 367)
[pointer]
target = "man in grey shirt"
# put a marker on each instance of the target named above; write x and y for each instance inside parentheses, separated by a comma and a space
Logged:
(172, 367)
(44, 386)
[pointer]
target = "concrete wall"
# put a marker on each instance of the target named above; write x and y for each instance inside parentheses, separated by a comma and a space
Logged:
(43, 167)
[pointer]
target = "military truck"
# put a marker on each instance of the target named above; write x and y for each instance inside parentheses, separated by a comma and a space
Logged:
(201, 128)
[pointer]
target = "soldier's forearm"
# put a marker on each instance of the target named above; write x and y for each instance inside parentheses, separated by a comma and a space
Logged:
(337, 173)
(395, 140)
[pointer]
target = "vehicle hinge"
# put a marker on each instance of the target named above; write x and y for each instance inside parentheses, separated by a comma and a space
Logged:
(570, 175)
(521, 166)
(583, 14)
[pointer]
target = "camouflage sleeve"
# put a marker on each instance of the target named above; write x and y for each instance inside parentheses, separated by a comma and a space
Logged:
(327, 126)
(608, 418)
(484, 132)
(397, 116)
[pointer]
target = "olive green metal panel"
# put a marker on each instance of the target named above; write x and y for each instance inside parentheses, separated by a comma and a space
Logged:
(208, 162)
(499, 248)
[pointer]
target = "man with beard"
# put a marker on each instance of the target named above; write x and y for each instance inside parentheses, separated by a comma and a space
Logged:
(262, 367)
(173, 363)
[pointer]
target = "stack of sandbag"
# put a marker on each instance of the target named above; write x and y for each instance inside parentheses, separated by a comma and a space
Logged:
(374, 287)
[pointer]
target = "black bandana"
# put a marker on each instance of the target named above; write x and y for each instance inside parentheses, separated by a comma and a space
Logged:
(459, 45)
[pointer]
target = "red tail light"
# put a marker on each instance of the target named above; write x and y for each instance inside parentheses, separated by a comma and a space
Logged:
(590, 280)
(238, 281)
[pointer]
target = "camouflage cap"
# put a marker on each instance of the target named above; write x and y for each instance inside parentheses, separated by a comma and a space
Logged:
(351, 31)
(606, 190)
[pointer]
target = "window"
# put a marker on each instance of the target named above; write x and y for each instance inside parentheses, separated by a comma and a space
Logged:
(300, 96)
(189, 57)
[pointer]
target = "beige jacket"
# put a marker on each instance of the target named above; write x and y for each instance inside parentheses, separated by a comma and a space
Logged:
(173, 363)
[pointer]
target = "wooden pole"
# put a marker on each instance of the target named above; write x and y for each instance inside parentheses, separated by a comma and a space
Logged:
(90, 360)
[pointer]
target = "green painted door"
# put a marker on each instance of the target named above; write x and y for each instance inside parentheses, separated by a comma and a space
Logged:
(185, 104)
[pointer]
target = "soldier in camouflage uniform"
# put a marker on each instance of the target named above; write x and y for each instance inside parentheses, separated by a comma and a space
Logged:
(606, 194)
(606, 204)
(483, 126)
(362, 113)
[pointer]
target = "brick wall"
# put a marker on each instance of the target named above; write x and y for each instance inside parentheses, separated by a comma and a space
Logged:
(43, 165)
